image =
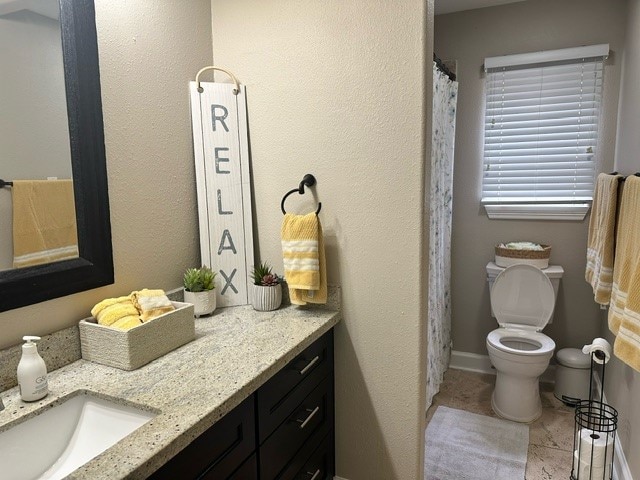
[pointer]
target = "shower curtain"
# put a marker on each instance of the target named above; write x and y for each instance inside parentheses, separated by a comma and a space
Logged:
(445, 93)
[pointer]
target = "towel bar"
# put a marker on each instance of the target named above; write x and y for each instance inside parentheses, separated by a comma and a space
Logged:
(309, 181)
(5, 183)
(622, 179)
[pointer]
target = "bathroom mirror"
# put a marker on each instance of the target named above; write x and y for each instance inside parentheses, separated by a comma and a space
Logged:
(94, 266)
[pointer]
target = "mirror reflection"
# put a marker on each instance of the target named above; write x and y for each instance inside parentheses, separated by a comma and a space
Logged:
(37, 213)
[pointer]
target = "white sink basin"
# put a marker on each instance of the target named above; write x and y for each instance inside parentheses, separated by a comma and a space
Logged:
(59, 440)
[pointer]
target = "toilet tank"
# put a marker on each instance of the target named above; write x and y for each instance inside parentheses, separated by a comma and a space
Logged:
(553, 272)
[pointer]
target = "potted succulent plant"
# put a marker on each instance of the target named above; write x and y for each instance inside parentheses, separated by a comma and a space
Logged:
(266, 292)
(199, 290)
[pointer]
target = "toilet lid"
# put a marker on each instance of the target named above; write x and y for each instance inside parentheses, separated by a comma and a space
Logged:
(522, 296)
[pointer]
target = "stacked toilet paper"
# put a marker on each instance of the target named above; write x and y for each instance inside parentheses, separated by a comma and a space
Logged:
(597, 466)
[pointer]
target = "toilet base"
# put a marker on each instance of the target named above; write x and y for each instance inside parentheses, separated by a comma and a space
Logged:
(517, 398)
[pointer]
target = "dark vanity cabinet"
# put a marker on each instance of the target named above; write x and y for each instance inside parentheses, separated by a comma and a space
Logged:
(284, 431)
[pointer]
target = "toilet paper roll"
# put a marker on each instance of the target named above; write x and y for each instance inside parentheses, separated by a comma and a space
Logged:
(601, 347)
(583, 471)
(600, 444)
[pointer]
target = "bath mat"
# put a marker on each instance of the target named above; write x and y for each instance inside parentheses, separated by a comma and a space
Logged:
(461, 445)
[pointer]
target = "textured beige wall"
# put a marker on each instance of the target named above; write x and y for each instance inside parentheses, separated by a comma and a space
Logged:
(469, 37)
(622, 383)
(336, 88)
(148, 53)
(628, 140)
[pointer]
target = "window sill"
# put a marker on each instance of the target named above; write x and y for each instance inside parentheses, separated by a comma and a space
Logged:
(513, 211)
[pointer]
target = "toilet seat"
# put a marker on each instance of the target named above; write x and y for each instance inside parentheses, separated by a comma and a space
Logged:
(521, 342)
(522, 297)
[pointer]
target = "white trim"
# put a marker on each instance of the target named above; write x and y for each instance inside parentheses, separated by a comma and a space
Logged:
(601, 50)
(514, 211)
(621, 469)
(340, 478)
(473, 362)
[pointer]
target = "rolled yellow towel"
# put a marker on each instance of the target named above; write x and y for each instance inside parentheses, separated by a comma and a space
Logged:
(127, 323)
(99, 307)
(151, 303)
(110, 310)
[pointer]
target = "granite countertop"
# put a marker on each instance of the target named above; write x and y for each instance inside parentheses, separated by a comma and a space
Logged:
(235, 351)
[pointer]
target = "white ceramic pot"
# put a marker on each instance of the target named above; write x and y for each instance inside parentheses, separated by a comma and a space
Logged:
(204, 303)
(265, 299)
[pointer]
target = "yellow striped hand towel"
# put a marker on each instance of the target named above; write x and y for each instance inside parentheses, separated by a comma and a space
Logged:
(599, 271)
(624, 311)
(304, 259)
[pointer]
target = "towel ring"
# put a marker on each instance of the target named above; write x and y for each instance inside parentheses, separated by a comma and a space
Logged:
(307, 181)
(236, 90)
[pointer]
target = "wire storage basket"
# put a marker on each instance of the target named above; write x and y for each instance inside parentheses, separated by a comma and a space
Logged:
(594, 434)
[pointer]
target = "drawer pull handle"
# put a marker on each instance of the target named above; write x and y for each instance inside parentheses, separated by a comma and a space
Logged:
(315, 475)
(309, 365)
(303, 423)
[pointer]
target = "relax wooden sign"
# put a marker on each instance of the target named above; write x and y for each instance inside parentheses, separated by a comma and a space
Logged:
(223, 186)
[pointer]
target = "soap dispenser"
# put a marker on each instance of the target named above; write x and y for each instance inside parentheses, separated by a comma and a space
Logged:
(32, 372)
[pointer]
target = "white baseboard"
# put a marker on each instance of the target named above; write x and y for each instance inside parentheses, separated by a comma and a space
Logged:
(473, 362)
(621, 469)
(340, 478)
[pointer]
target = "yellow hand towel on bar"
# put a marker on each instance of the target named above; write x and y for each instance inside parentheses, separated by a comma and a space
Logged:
(624, 311)
(304, 258)
(44, 222)
(151, 303)
(599, 271)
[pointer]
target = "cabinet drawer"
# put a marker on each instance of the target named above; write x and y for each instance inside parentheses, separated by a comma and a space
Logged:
(320, 465)
(248, 471)
(279, 396)
(218, 451)
(313, 462)
(313, 417)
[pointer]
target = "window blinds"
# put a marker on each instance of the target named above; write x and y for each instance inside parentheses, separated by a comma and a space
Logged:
(541, 130)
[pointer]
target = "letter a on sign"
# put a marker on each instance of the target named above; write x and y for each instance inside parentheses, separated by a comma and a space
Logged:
(221, 154)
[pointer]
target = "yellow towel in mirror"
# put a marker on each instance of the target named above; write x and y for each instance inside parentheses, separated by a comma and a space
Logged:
(44, 222)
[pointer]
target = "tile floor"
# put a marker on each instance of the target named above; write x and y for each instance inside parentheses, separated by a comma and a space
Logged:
(550, 437)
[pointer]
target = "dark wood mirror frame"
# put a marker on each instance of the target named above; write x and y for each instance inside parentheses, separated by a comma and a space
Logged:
(94, 267)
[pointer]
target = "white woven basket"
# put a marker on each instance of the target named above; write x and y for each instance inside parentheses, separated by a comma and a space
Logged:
(506, 257)
(134, 348)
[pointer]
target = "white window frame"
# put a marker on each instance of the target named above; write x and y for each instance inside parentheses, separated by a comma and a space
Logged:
(541, 208)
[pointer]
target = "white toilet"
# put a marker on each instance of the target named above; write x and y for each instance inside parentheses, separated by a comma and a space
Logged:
(522, 300)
